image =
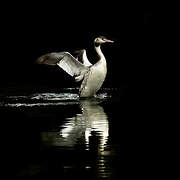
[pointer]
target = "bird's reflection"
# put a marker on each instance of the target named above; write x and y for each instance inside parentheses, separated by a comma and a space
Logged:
(92, 122)
(96, 121)
(86, 132)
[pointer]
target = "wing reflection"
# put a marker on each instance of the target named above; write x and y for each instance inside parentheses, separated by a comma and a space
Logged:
(91, 124)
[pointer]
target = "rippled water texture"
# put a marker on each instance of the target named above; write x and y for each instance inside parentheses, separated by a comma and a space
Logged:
(45, 99)
(75, 136)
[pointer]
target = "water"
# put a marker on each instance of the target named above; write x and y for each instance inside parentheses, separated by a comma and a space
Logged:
(56, 134)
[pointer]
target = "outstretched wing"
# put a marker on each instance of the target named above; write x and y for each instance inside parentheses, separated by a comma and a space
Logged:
(50, 58)
(82, 57)
(66, 61)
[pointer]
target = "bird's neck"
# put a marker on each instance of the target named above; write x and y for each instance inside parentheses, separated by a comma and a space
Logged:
(99, 52)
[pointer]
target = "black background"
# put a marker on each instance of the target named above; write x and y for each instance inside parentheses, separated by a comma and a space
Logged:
(31, 30)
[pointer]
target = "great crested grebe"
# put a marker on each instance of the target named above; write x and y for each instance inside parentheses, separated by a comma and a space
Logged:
(92, 76)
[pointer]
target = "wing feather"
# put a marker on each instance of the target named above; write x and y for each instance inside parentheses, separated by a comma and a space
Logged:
(65, 61)
(50, 58)
(82, 57)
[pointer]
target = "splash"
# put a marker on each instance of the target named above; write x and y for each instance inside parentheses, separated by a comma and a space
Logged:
(40, 99)
(69, 97)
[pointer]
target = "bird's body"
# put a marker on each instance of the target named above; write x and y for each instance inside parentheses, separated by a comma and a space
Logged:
(93, 79)
(92, 76)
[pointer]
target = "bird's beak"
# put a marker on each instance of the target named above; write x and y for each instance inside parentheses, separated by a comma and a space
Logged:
(107, 40)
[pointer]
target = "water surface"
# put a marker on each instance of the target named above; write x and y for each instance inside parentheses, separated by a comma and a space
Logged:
(56, 134)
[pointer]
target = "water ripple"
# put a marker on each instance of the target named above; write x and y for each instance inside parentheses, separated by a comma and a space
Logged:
(48, 99)
(55, 96)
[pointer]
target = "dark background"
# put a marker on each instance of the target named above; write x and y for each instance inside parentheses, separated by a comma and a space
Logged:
(31, 30)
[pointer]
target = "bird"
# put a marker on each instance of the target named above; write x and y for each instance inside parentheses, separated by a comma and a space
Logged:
(91, 75)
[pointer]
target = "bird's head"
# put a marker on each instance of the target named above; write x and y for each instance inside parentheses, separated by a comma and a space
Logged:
(101, 40)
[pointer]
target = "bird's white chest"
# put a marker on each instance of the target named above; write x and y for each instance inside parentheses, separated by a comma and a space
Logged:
(99, 72)
(94, 80)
